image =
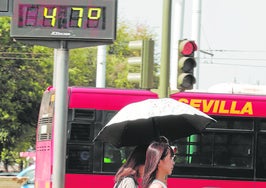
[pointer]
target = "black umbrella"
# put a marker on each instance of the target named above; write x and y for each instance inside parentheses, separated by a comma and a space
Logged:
(142, 122)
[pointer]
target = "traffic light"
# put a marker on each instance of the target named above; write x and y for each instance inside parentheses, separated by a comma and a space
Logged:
(140, 64)
(186, 64)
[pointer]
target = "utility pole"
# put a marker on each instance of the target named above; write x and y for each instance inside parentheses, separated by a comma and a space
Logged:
(101, 66)
(178, 10)
(196, 32)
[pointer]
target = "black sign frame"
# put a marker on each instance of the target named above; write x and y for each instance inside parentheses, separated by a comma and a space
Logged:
(32, 32)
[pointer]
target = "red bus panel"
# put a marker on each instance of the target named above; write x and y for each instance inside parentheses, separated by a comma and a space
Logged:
(225, 104)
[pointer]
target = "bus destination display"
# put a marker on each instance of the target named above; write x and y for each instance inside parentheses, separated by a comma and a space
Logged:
(86, 20)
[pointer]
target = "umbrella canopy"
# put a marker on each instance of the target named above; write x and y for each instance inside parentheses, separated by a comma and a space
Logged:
(142, 122)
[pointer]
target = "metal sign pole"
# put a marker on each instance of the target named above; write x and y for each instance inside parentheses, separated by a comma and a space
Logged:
(60, 117)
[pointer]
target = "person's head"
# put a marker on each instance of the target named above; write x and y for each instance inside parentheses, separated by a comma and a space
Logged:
(134, 165)
(159, 161)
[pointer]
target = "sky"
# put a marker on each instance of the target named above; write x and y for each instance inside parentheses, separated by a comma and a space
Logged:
(233, 31)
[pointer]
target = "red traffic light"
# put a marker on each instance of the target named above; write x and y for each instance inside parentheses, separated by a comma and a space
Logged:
(187, 48)
(186, 64)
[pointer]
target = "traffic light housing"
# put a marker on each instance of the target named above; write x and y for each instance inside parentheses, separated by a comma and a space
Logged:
(140, 64)
(186, 64)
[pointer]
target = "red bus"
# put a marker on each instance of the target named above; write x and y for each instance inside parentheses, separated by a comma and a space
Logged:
(229, 153)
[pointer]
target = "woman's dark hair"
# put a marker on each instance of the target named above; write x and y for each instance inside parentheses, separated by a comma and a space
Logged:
(156, 151)
(131, 166)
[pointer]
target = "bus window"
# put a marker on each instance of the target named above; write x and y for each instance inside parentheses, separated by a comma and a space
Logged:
(225, 146)
(232, 123)
(80, 132)
(83, 115)
(191, 152)
(79, 159)
(261, 157)
(262, 126)
(46, 117)
(233, 150)
(114, 157)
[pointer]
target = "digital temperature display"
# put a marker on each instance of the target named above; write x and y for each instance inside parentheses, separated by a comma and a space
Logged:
(82, 20)
(61, 17)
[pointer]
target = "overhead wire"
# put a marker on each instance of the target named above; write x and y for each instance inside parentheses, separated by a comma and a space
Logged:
(17, 55)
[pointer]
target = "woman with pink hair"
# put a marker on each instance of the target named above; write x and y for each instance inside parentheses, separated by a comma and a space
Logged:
(128, 174)
(158, 165)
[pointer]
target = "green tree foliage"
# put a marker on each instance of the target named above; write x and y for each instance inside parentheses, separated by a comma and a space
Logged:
(23, 77)
(82, 67)
(117, 66)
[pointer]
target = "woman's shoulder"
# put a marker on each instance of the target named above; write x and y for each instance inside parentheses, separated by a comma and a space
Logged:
(129, 179)
(127, 182)
(157, 184)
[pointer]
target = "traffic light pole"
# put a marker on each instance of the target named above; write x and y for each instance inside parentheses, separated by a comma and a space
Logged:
(165, 51)
(147, 64)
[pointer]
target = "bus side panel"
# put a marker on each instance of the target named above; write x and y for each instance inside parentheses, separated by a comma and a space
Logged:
(43, 169)
(88, 181)
(259, 184)
(224, 104)
(106, 99)
(204, 183)
(44, 147)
